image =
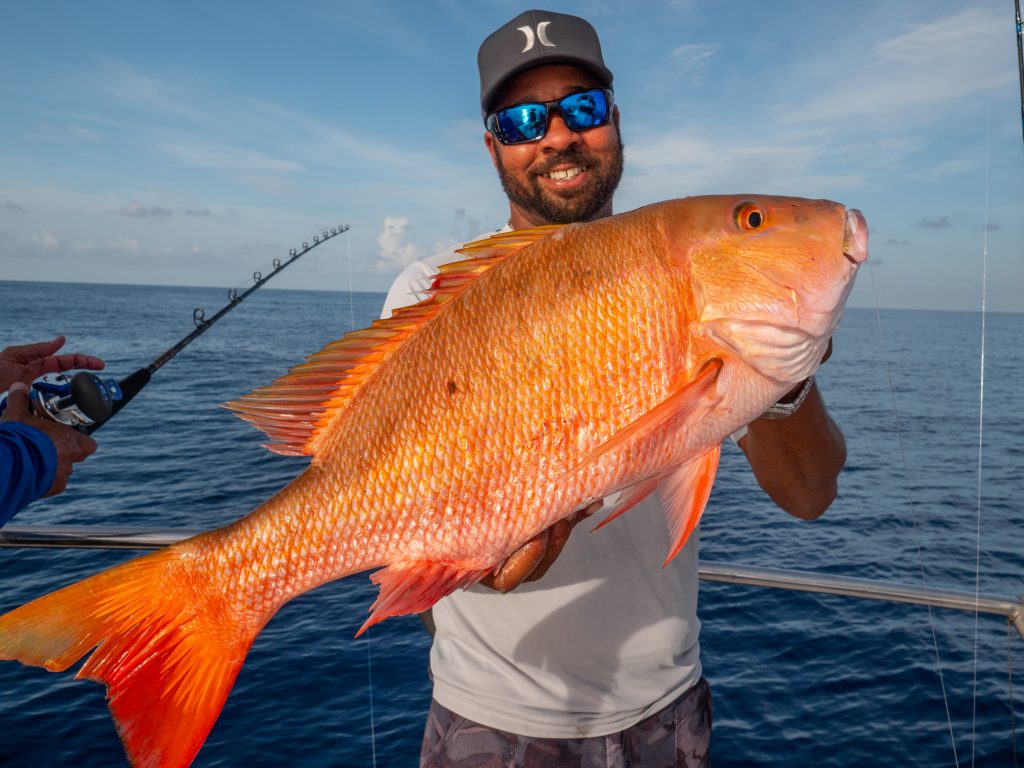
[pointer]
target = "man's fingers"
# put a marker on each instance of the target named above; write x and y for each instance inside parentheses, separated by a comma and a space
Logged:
(519, 565)
(17, 402)
(26, 353)
(72, 446)
(58, 363)
(60, 480)
(532, 559)
(828, 351)
(559, 535)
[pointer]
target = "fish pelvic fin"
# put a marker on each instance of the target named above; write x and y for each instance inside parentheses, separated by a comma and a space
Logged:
(167, 666)
(412, 587)
(685, 494)
(294, 410)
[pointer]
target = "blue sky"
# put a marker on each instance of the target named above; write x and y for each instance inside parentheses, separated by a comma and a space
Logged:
(191, 143)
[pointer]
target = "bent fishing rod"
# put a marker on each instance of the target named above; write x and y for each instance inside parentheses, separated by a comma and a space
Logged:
(87, 402)
(1020, 61)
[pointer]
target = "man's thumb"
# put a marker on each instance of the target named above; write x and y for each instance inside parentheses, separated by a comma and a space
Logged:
(17, 402)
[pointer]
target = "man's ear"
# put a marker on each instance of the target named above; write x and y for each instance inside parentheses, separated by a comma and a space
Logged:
(490, 143)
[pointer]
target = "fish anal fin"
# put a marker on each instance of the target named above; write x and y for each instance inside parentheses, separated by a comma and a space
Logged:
(412, 587)
(685, 494)
(294, 409)
(168, 666)
(634, 495)
(676, 406)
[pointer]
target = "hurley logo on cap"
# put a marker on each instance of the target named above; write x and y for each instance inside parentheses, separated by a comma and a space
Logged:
(542, 35)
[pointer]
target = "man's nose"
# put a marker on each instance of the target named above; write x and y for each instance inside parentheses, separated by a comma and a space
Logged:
(558, 136)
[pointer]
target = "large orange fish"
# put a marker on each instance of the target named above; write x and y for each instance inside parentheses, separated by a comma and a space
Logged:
(550, 368)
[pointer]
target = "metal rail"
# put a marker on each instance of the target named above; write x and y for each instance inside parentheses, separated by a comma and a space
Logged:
(112, 537)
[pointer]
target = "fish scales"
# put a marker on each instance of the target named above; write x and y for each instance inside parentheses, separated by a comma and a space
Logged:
(434, 471)
(552, 367)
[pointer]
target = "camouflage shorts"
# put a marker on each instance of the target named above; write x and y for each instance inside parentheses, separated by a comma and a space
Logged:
(678, 736)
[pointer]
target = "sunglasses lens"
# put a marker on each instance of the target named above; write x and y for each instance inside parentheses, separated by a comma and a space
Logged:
(584, 110)
(529, 122)
(524, 122)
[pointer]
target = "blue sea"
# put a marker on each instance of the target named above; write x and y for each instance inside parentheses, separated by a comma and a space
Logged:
(797, 679)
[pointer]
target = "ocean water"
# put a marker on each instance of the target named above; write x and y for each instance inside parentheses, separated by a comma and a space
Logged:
(797, 679)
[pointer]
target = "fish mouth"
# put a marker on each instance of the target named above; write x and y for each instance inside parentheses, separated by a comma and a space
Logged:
(855, 238)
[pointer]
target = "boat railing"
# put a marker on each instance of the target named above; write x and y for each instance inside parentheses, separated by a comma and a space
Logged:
(126, 537)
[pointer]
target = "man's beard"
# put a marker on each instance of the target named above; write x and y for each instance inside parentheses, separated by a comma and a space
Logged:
(550, 207)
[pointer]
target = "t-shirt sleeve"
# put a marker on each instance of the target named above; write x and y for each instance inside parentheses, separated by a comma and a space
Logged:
(409, 287)
(28, 467)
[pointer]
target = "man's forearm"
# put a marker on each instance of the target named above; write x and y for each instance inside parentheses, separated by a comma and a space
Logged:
(797, 460)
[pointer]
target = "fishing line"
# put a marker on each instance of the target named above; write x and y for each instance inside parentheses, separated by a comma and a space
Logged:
(351, 304)
(913, 516)
(981, 424)
(1009, 676)
(369, 651)
(369, 675)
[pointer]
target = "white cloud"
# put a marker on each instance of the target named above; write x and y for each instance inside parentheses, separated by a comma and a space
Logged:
(126, 244)
(936, 40)
(136, 210)
(912, 77)
(694, 55)
(140, 90)
(45, 240)
(198, 154)
(84, 134)
(396, 252)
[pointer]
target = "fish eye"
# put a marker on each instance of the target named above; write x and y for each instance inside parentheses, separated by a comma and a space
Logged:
(750, 216)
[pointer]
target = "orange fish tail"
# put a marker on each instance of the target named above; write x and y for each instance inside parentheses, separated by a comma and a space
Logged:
(168, 666)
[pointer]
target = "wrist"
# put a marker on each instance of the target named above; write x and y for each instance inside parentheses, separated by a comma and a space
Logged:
(790, 402)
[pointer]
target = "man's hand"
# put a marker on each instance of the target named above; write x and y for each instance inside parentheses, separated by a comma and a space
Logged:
(30, 361)
(532, 559)
(72, 446)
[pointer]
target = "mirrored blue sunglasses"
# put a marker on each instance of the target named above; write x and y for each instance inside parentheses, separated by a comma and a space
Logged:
(521, 123)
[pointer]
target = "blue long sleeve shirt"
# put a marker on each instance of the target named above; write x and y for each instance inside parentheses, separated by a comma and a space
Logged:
(28, 467)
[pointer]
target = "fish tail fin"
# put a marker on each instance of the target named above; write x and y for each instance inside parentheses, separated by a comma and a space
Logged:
(168, 666)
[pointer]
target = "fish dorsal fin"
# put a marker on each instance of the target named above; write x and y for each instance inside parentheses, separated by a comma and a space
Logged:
(294, 409)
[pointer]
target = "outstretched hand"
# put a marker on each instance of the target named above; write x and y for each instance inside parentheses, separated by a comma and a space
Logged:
(28, 362)
(532, 559)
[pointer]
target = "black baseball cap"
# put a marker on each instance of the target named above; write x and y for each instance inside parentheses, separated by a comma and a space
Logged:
(534, 38)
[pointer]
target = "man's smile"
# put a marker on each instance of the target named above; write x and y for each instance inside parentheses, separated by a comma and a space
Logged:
(564, 174)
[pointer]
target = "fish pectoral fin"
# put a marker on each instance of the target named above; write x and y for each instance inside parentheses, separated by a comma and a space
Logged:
(414, 586)
(677, 405)
(685, 494)
(632, 496)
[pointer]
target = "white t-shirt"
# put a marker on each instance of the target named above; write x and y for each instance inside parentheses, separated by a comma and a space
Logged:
(606, 638)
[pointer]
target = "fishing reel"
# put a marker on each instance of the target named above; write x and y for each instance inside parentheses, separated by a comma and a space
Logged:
(83, 400)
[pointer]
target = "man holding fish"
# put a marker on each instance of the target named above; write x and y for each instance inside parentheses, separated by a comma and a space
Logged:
(599, 360)
(598, 663)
